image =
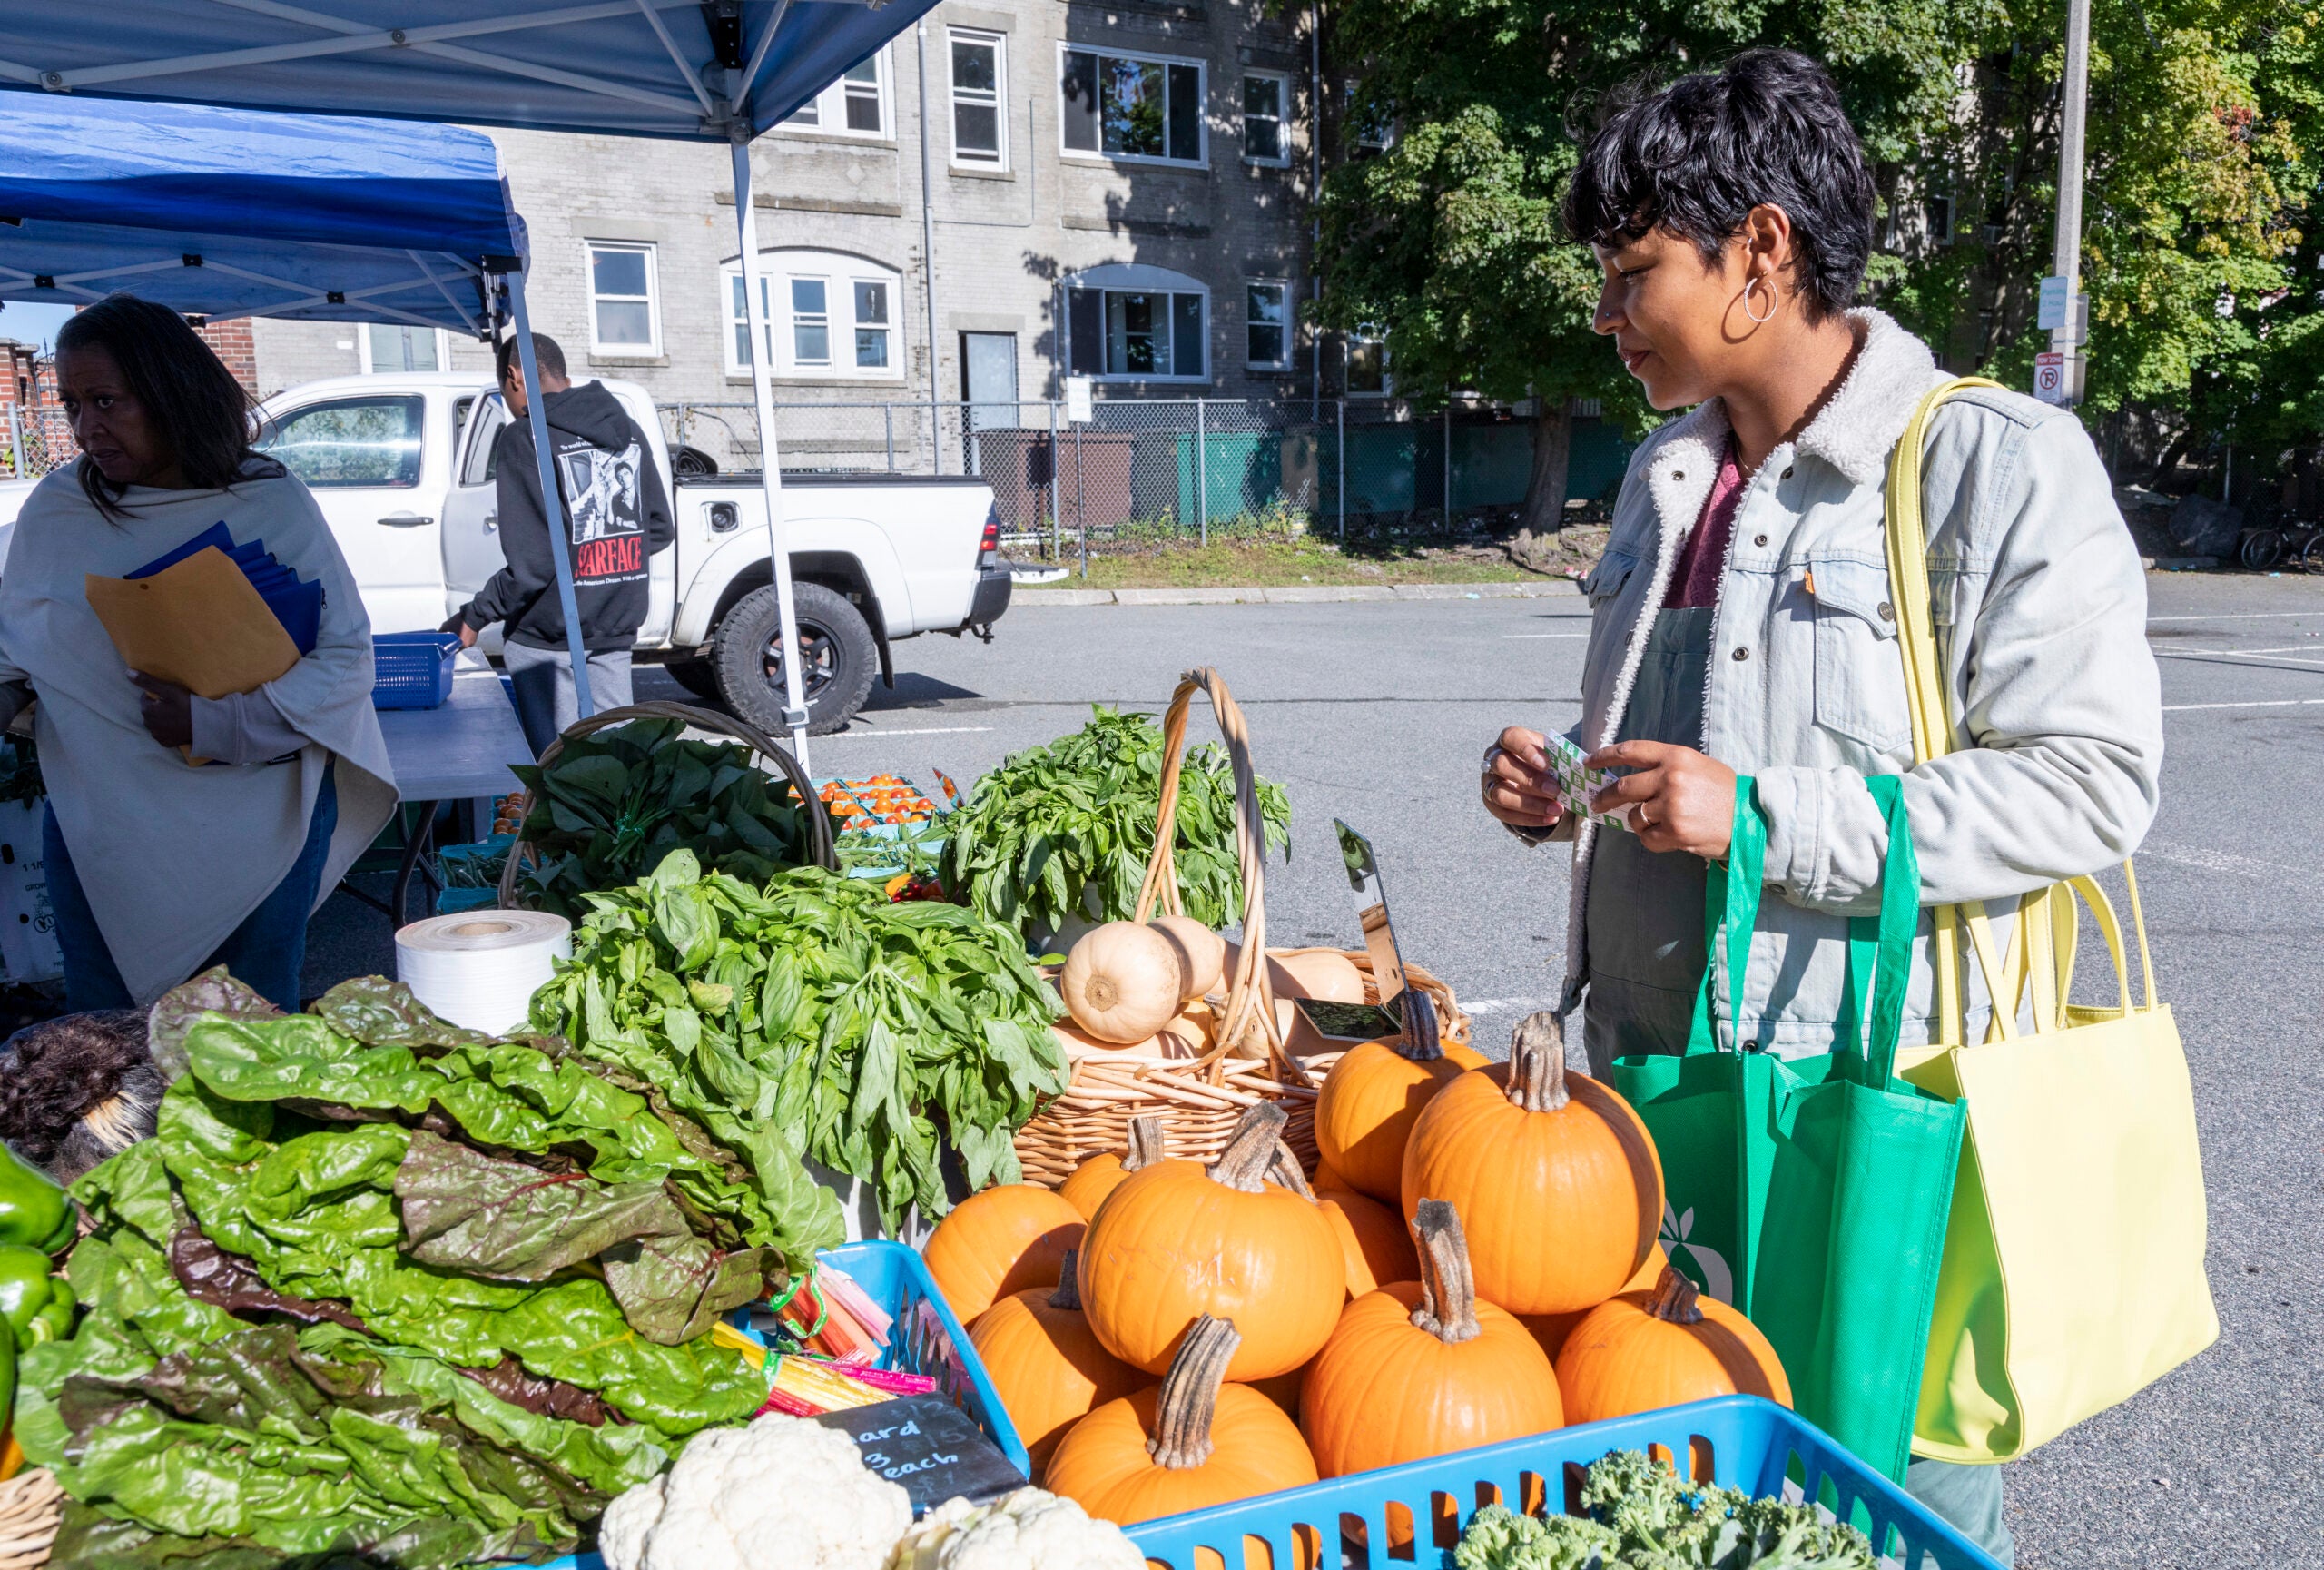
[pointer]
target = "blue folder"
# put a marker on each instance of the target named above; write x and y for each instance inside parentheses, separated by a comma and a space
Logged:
(297, 603)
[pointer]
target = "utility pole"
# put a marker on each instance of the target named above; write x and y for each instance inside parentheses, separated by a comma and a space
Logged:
(2058, 376)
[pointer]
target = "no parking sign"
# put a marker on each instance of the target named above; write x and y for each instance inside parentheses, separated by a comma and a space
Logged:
(2050, 378)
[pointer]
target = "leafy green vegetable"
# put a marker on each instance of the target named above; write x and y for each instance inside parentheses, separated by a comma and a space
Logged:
(1642, 1516)
(815, 1016)
(615, 804)
(1065, 830)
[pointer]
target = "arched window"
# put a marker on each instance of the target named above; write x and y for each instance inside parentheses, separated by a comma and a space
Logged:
(1133, 322)
(827, 314)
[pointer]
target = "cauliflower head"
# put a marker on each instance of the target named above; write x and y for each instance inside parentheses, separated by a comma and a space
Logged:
(783, 1494)
(1026, 1530)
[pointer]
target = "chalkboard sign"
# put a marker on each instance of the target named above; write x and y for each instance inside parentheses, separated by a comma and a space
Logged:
(931, 1446)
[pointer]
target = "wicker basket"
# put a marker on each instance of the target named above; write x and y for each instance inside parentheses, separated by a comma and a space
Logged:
(819, 828)
(1200, 1098)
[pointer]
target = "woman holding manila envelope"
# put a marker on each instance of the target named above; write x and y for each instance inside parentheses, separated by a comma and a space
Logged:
(1867, 652)
(199, 663)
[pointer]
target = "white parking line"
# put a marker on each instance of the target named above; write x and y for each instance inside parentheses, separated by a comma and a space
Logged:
(2237, 616)
(2264, 703)
(927, 730)
(2275, 655)
(1545, 634)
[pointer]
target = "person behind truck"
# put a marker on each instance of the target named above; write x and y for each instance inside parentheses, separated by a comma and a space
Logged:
(158, 865)
(619, 515)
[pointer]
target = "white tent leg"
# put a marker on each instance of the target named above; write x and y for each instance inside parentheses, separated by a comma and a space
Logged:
(778, 532)
(560, 536)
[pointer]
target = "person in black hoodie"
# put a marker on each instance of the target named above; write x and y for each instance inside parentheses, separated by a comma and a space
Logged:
(619, 514)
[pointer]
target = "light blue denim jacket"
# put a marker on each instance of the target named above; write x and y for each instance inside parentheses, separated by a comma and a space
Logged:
(2040, 605)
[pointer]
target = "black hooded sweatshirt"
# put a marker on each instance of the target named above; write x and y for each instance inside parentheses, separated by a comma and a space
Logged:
(620, 515)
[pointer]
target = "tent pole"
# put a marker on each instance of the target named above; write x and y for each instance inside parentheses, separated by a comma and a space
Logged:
(778, 531)
(560, 534)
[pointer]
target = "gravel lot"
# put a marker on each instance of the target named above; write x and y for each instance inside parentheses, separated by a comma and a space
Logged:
(1376, 712)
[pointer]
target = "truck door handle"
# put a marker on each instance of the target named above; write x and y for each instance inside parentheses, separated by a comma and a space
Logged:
(491, 521)
(406, 520)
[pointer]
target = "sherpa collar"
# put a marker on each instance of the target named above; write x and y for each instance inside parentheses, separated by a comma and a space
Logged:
(1855, 432)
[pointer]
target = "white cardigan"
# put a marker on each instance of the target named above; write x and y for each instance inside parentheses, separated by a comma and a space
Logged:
(173, 857)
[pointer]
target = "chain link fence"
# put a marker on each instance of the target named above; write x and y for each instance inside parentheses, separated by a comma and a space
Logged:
(37, 441)
(1150, 474)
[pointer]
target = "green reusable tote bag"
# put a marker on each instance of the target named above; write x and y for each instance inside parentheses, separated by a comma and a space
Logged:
(1832, 1179)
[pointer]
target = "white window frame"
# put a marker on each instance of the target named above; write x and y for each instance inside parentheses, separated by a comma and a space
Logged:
(840, 273)
(652, 348)
(1281, 286)
(1139, 278)
(831, 106)
(1201, 160)
(1382, 137)
(1348, 341)
(363, 347)
(1282, 160)
(996, 163)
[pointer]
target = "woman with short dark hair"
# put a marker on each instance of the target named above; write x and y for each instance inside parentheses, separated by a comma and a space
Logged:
(1740, 616)
(182, 832)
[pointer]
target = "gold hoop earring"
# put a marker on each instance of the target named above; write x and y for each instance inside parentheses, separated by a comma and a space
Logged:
(1748, 285)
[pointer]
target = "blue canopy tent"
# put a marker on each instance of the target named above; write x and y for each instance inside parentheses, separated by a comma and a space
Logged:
(222, 212)
(717, 71)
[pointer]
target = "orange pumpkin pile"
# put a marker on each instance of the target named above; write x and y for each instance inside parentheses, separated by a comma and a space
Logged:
(1296, 1330)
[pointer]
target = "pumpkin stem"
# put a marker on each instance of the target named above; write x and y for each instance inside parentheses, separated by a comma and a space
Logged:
(1068, 1295)
(1284, 1172)
(1537, 1064)
(1422, 1041)
(1448, 1291)
(1146, 1143)
(1243, 1164)
(1674, 1299)
(1189, 1399)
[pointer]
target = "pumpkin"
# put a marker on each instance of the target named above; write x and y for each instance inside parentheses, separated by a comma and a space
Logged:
(1644, 1350)
(1372, 1239)
(1102, 1174)
(1553, 1174)
(1202, 954)
(1005, 1239)
(1419, 1369)
(1078, 1043)
(1370, 1100)
(1552, 1329)
(1047, 1367)
(1177, 1240)
(1324, 974)
(1120, 983)
(1283, 1389)
(1193, 1443)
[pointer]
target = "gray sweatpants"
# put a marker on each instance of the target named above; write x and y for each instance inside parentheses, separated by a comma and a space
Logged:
(547, 700)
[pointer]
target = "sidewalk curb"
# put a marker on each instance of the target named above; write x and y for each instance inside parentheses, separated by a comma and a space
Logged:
(1295, 594)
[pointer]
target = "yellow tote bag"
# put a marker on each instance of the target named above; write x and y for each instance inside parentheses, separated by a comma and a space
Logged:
(2073, 1259)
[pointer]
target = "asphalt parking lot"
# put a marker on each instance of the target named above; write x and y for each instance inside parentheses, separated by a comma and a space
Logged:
(1376, 712)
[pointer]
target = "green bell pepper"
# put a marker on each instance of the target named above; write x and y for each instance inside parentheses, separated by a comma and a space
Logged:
(7, 1383)
(27, 1290)
(33, 1209)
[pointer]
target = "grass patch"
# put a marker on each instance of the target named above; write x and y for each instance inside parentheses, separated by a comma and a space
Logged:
(1278, 564)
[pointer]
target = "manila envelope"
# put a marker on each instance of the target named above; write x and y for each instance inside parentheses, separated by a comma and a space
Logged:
(198, 623)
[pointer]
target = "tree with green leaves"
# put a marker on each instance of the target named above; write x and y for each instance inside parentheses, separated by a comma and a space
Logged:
(2200, 111)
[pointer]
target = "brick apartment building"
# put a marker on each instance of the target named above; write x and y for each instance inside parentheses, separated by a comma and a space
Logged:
(1119, 190)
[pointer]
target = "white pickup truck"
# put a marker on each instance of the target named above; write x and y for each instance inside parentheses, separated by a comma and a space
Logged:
(402, 466)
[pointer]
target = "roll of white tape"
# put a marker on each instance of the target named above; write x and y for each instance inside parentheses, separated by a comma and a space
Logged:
(479, 968)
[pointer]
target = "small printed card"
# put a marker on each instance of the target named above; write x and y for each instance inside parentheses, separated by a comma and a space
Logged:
(1577, 782)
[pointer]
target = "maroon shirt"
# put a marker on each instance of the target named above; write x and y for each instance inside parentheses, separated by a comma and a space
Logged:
(1694, 582)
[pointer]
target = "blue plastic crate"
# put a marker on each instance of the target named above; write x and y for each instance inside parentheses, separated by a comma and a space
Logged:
(412, 669)
(1414, 1515)
(927, 1339)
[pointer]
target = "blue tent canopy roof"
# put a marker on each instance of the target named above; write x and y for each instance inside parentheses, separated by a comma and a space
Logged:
(718, 71)
(230, 213)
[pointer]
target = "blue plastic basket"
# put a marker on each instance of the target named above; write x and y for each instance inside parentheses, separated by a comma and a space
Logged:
(412, 669)
(927, 1339)
(1414, 1515)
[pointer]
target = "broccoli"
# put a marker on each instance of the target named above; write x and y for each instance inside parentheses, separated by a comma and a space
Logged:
(1642, 1516)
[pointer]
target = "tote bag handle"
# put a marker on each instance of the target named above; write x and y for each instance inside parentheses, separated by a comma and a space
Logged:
(1879, 947)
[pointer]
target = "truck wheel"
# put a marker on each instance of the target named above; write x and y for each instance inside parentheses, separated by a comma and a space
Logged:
(698, 677)
(839, 659)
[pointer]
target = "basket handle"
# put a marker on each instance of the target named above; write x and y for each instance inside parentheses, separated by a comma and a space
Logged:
(1250, 997)
(819, 828)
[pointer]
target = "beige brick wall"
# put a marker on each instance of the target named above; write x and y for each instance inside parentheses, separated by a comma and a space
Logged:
(1003, 241)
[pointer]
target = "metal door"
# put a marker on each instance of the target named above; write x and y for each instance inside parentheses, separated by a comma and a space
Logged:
(367, 458)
